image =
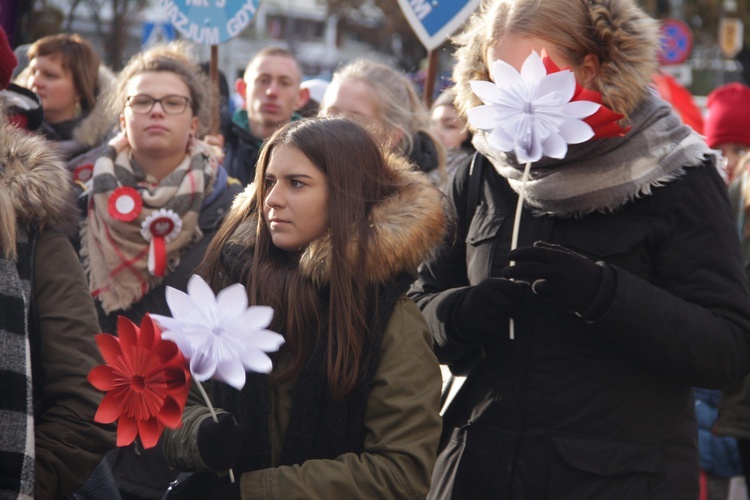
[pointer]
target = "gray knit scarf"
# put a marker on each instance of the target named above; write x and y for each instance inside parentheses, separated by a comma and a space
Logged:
(604, 174)
(16, 394)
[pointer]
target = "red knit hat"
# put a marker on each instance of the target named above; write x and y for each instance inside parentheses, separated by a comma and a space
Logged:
(8, 61)
(728, 117)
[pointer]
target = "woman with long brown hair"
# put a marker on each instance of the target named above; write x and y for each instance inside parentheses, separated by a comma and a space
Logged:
(329, 236)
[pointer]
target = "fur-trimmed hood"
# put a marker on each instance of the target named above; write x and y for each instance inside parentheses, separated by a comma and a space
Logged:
(405, 228)
(35, 186)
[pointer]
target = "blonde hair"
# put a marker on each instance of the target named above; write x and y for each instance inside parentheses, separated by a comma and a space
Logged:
(624, 39)
(174, 58)
(398, 103)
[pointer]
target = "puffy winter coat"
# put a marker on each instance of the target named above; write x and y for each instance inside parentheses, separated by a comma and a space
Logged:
(602, 409)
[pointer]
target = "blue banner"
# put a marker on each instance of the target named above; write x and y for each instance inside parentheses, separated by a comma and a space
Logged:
(209, 22)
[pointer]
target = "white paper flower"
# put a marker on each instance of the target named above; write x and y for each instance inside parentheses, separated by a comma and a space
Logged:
(530, 112)
(220, 335)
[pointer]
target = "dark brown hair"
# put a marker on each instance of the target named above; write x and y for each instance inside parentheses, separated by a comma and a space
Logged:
(77, 56)
(358, 176)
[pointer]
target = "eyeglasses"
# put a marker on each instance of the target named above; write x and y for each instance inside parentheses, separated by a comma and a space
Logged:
(142, 104)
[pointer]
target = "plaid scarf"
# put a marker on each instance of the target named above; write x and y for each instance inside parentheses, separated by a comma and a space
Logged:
(16, 400)
(603, 175)
(114, 250)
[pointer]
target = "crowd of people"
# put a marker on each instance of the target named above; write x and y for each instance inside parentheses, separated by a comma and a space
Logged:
(596, 308)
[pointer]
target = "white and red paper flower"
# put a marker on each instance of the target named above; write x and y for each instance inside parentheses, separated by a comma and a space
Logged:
(160, 228)
(124, 204)
(538, 111)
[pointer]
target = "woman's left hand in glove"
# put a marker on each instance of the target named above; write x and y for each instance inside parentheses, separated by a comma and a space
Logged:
(564, 279)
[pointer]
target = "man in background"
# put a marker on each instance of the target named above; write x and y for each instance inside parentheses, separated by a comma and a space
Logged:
(271, 90)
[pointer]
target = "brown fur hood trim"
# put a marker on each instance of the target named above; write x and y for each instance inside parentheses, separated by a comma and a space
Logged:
(35, 185)
(405, 227)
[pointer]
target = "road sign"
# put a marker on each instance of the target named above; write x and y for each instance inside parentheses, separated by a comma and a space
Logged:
(434, 21)
(154, 33)
(730, 36)
(676, 42)
(209, 22)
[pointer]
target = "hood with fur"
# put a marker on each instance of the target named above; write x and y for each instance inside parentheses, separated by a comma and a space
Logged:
(35, 186)
(405, 228)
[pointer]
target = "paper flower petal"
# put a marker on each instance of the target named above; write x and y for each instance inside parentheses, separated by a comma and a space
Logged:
(201, 294)
(257, 361)
(576, 132)
(232, 373)
(182, 305)
(533, 69)
(581, 109)
(555, 146)
(109, 346)
(171, 414)
(127, 431)
(483, 117)
(486, 91)
(267, 341)
(203, 366)
(149, 431)
(103, 378)
(108, 411)
(504, 72)
(232, 301)
(258, 317)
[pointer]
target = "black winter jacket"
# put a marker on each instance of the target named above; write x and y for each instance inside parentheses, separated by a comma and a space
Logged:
(603, 409)
(241, 154)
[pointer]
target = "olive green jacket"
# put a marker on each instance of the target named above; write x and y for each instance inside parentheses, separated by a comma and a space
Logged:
(402, 422)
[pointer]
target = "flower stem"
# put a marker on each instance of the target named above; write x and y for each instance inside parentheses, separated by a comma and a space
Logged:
(516, 227)
(213, 415)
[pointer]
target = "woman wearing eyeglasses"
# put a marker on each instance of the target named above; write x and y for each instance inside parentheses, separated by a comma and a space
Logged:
(156, 194)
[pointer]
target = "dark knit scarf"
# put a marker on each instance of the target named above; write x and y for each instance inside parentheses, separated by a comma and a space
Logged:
(319, 428)
(16, 393)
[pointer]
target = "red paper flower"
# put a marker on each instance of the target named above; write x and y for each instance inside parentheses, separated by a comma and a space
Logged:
(604, 120)
(147, 381)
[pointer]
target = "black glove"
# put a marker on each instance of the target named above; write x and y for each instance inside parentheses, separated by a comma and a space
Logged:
(485, 308)
(564, 279)
(220, 444)
(221, 489)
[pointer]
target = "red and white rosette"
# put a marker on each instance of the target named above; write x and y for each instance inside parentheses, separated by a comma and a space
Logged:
(160, 228)
(83, 173)
(124, 204)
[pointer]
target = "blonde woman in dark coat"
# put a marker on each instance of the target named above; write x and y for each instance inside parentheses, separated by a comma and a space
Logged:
(628, 291)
